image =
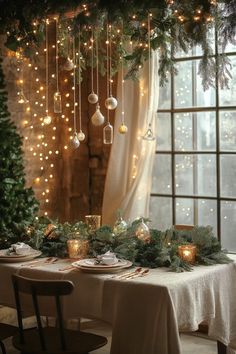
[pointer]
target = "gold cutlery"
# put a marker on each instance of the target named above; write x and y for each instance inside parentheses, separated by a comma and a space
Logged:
(41, 262)
(127, 274)
(69, 267)
(140, 274)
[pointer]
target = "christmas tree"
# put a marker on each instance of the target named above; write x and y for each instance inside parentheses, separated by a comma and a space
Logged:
(17, 203)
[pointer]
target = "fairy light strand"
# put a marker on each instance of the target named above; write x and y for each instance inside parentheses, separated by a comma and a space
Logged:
(80, 120)
(74, 83)
(57, 55)
(110, 59)
(92, 60)
(97, 66)
(107, 43)
(46, 59)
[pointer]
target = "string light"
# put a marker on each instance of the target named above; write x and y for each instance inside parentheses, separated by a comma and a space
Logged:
(47, 119)
(57, 95)
(75, 140)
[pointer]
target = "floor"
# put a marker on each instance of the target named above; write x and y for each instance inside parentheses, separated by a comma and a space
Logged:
(190, 344)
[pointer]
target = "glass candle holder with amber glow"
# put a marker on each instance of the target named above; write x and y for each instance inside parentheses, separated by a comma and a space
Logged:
(77, 248)
(187, 253)
(93, 222)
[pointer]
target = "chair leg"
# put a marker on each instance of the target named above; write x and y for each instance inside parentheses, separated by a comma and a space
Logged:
(2, 347)
(221, 348)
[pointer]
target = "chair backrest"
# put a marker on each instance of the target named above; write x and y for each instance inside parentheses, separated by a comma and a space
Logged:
(37, 288)
(182, 227)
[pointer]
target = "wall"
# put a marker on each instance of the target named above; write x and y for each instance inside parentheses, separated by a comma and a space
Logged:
(78, 176)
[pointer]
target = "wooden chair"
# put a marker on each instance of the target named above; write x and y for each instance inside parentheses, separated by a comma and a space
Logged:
(51, 340)
(6, 331)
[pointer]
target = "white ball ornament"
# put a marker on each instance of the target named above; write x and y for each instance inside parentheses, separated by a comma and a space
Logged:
(47, 120)
(97, 118)
(81, 136)
(123, 129)
(111, 102)
(93, 98)
(69, 65)
(75, 141)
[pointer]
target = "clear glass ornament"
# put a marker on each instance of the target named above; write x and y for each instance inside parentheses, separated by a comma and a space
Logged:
(22, 99)
(93, 98)
(97, 118)
(149, 135)
(120, 226)
(57, 102)
(75, 140)
(47, 119)
(142, 232)
(69, 65)
(111, 103)
(81, 136)
(108, 134)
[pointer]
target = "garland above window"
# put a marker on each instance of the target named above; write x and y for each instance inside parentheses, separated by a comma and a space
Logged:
(175, 25)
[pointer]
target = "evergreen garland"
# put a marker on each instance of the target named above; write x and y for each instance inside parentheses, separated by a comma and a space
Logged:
(162, 250)
(17, 203)
(176, 24)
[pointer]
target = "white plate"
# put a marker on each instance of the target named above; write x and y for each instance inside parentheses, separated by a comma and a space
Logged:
(100, 268)
(19, 258)
(91, 262)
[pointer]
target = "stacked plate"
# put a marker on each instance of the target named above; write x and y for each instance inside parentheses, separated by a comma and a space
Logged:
(90, 265)
(6, 256)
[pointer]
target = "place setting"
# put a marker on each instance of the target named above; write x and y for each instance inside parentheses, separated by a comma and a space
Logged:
(18, 252)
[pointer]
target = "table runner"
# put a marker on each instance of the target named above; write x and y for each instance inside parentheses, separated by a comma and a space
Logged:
(146, 312)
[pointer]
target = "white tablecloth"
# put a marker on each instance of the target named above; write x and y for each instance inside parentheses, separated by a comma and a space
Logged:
(147, 312)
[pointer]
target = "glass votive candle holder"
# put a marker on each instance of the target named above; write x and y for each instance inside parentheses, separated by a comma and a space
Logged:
(77, 248)
(93, 222)
(187, 253)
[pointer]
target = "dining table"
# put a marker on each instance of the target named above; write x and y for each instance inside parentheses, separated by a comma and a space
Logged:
(147, 313)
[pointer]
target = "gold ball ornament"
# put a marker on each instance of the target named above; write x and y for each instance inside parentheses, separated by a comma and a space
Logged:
(123, 129)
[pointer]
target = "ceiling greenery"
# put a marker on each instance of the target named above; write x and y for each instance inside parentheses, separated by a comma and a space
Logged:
(175, 25)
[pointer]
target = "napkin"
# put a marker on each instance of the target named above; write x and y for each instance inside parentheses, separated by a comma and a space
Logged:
(20, 248)
(108, 258)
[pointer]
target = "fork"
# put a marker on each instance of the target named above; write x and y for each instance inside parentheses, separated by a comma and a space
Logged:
(140, 274)
(127, 274)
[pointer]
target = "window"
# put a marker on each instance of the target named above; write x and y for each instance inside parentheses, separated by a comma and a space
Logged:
(194, 174)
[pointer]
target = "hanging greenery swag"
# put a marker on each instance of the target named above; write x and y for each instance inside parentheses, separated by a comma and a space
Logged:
(175, 25)
(162, 250)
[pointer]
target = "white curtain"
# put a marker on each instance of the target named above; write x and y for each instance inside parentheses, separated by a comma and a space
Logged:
(129, 175)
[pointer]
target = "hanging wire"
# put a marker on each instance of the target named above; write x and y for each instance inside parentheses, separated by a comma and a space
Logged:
(149, 60)
(46, 57)
(92, 61)
(122, 84)
(108, 76)
(110, 59)
(57, 54)
(97, 66)
(74, 83)
(80, 120)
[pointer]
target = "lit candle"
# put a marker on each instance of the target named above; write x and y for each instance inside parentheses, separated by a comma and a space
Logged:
(187, 253)
(93, 222)
(77, 248)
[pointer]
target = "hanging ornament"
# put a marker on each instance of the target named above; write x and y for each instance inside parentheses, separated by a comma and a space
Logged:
(120, 226)
(81, 136)
(97, 118)
(108, 134)
(75, 140)
(111, 103)
(47, 120)
(57, 95)
(22, 99)
(149, 135)
(93, 98)
(123, 128)
(142, 232)
(68, 65)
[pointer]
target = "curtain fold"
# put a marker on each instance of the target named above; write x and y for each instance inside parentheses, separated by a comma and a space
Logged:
(129, 174)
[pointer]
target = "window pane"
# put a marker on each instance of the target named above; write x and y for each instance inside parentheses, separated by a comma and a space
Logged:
(161, 212)
(195, 175)
(196, 212)
(228, 130)
(228, 96)
(188, 87)
(228, 225)
(163, 131)
(161, 176)
(195, 131)
(228, 174)
(164, 95)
